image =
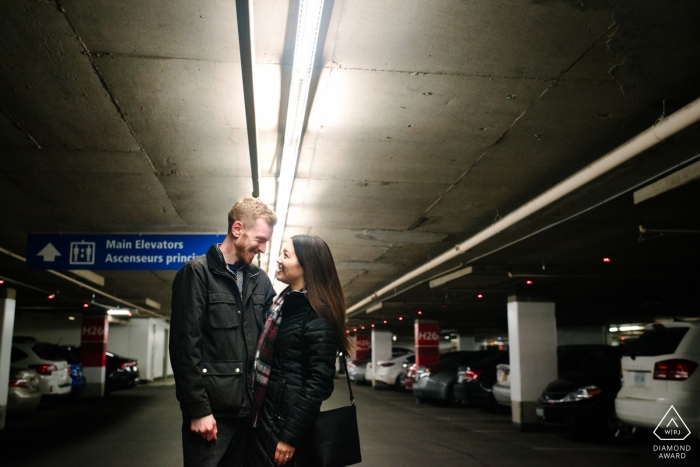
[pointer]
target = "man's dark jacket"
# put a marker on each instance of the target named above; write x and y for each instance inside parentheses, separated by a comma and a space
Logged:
(214, 335)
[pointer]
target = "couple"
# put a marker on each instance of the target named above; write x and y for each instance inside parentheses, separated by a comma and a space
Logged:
(251, 370)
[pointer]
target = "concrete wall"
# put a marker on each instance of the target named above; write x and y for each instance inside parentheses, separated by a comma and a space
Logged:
(52, 329)
(576, 335)
(144, 340)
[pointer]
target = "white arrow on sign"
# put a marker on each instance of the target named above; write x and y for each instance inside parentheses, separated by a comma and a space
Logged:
(49, 252)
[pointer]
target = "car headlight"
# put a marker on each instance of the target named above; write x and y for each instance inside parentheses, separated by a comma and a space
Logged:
(581, 394)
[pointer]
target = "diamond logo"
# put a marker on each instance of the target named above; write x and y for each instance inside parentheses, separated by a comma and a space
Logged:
(672, 427)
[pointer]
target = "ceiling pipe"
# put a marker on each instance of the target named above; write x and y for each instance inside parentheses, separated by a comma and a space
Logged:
(662, 129)
(246, 43)
(86, 286)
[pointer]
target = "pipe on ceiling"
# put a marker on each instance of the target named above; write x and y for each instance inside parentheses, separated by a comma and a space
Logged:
(87, 286)
(246, 43)
(662, 129)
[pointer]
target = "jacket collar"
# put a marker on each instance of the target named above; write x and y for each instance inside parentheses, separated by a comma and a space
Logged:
(217, 263)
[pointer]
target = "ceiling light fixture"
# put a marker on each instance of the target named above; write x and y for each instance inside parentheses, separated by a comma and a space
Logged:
(118, 312)
(308, 26)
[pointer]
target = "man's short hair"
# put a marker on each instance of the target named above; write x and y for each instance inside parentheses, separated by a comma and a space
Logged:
(249, 210)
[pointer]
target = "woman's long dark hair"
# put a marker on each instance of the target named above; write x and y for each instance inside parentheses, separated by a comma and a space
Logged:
(322, 284)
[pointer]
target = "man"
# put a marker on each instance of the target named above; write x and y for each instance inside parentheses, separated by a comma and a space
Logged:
(218, 310)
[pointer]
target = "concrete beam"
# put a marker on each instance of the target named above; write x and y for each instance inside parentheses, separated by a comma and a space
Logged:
(89, 275)
(450, 277)
(675, 180)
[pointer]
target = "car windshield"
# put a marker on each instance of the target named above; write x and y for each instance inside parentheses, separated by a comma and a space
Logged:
(660, 340)
(46, 351)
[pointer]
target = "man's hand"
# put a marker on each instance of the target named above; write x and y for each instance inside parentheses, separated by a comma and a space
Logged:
(283, 453)
(205, 427)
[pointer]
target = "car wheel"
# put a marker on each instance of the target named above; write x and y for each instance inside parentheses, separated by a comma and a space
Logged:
(399, 384)
(619, 431)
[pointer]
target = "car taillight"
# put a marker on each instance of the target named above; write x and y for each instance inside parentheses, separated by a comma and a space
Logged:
(471, 375)
(386, 364)
(19, 383)
(44, 369)
(127, 365)
(676, 369)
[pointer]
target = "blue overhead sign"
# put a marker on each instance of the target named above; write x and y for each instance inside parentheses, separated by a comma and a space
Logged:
(114, 251)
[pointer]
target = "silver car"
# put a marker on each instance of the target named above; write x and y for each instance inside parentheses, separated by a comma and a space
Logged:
(54, 372)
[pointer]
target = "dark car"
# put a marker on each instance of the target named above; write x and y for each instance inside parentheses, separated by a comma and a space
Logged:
(583, 398)
(122, 372)
(437, 381)
(72, 356)
(475, 381)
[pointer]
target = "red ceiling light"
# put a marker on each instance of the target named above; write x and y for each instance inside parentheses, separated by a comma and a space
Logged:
(480, 296)
(2, 281)
(363, 327)
(86, 305)
(51, 296)
(606, 259)
(354, 329)
(420, 312)
(400, 318)
(347, 331)
(384, 321)
(372, 324)
(529, 282)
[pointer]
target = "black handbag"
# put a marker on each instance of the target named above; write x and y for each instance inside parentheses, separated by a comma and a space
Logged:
(334, 440)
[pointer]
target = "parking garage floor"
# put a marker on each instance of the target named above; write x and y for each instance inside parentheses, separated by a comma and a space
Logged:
(140, 427)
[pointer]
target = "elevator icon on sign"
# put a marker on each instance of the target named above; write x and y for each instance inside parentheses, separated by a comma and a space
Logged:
(82, 253)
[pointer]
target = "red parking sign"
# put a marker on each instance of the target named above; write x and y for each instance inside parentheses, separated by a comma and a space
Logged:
(427, 340)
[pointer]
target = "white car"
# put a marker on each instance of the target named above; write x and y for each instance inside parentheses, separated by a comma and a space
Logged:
(501, 390)
(396, 352)
(393, 372)
(660, 370)
(54, 372)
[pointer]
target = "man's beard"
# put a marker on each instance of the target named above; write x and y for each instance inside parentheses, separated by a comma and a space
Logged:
(241, 251)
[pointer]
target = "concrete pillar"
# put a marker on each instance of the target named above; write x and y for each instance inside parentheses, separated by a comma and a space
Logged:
(532, 333)
(381, 348)
(93, 345)
(7, 324)
(466, 342)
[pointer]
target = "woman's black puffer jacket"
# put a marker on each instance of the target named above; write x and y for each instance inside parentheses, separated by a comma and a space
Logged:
(302, 377)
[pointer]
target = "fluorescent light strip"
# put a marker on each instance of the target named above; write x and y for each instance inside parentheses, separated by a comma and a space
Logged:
(302, 69)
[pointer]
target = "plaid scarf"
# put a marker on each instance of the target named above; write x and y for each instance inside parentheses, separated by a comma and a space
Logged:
(263, 357)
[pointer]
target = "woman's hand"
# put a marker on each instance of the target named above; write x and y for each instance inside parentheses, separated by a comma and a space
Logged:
(283, 453)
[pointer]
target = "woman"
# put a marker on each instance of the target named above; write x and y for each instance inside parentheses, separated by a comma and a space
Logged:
(295, 362)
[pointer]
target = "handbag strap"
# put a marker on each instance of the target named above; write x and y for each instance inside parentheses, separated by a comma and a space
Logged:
(303, 369)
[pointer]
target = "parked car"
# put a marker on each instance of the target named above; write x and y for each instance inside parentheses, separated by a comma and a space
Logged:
(395, 352)
(475, 380)
(122, 372)
(356, 370)
(72, 356)
(583, 398)
(501, 390)
(393, 372)
(54, 377)
(660, 370)
(437, 381)
(24, 394)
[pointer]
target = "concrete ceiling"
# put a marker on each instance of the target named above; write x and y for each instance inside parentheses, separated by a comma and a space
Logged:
(427, 121)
